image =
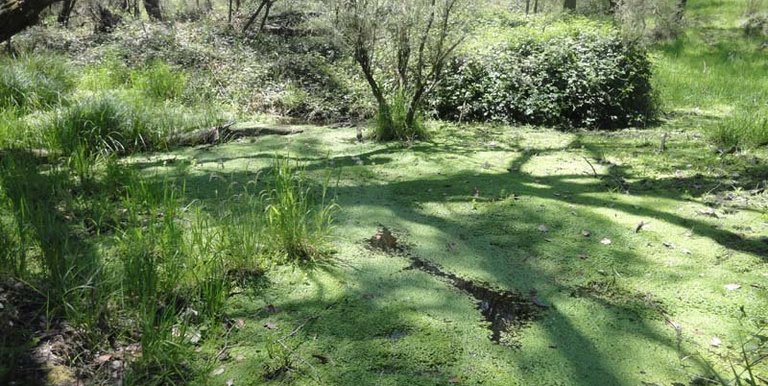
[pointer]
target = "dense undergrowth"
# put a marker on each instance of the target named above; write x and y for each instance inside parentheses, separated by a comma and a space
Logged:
(121, 258)
(567, 73)
(125, 259)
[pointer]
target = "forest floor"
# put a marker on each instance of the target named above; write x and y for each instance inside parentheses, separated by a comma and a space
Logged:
(627, 265)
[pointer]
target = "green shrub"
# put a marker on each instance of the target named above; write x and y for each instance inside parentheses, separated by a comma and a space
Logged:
(111, 74)
(34, 82)
(160, 81)
(571, 73)
(744, 129)
(100, 123)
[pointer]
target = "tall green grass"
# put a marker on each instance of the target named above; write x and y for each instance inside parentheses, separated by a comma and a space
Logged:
(746, 129)
(34, 82)
(390, 122)
(298, 218)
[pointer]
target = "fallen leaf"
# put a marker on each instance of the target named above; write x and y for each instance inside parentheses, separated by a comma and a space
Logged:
(708, 212)
(687, 251)
(667, 244)
(230, 382)
(535, 299)
(583, 256)
(217, 372)
(322, 358)
(454, 381)
(732, 286)
(715, 342)
(270, 326)
(194, 336)
(101, 359)
(586, 233)
(543, 228)
(384, 240)
(239, 323)
(640, 226)
(606, 241)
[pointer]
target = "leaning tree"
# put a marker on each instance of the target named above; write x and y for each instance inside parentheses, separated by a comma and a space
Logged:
(401, 47)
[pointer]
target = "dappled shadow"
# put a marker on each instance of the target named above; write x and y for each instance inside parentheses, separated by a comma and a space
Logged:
(517, 257)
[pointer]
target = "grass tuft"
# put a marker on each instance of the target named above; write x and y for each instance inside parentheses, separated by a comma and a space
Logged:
(297, 224)
(746, 129)
(390, 123)
(34, 82)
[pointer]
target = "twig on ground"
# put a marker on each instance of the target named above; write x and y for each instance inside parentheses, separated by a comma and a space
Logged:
(591, 166)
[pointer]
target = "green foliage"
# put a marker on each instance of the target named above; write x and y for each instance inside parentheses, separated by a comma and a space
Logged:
(571, 73)
(34, 82)
(100, 123)
(158, 80)
(123, 123)
(297, 224)
(745, 129)
(109, 75)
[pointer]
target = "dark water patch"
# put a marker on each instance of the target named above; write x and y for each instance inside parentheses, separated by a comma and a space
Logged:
(506, 311)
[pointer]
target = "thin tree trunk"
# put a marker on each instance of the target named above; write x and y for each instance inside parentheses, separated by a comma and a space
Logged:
(255, 15)
(680, 11)
(266, 15)
(527, 6)
(153, 9)
(535, 6)
(229, 17)
(15, 15)
(66, 12)
(569, 5)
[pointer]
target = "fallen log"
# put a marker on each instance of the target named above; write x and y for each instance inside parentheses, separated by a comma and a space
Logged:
(231, 131)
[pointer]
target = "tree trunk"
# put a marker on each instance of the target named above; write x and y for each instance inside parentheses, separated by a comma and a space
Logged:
(266, 15)
(230, 131)
(570, 5)
(15, 15)
(680, 11)
(255, 15)
(66, 12)
(153, 9)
